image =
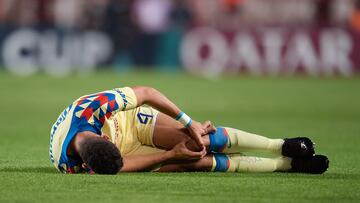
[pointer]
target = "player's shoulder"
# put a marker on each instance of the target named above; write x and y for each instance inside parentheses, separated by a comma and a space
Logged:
(110, 93)
(117, 90)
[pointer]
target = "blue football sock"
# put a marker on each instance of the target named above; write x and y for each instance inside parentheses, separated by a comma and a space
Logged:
(221, 163)
(218, 140)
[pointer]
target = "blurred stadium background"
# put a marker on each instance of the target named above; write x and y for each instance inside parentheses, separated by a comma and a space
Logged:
(212, 37)
(53, 51)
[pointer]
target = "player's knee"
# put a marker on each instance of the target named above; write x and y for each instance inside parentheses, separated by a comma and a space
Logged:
(218, 140)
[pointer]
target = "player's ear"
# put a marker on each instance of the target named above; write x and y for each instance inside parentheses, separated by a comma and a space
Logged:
(87, 169)
(105, 136)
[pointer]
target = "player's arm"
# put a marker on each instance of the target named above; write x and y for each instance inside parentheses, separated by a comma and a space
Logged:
(143, 162)
(154, 98)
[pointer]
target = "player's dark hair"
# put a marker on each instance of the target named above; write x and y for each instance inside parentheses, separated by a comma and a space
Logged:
(101, 156)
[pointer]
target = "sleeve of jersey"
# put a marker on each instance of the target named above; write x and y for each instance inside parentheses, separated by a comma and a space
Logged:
(126, 98)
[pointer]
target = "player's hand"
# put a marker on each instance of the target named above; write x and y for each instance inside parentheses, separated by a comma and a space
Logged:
(180, 151)
(197, 130)
(209, 127)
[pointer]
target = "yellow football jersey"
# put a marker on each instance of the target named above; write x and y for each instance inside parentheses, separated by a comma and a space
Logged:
(88, 113)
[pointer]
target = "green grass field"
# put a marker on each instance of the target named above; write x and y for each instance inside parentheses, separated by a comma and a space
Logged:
(326, 109)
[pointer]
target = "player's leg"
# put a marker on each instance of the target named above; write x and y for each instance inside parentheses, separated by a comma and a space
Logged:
(204, 164)
(168, 133)
(316, 164)
(239, 163)
(230, 140)
(231, 163)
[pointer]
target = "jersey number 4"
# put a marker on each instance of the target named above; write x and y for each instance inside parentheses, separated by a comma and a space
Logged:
(144, 118)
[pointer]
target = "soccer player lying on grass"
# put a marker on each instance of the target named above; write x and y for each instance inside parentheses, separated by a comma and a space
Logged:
(111, 131)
